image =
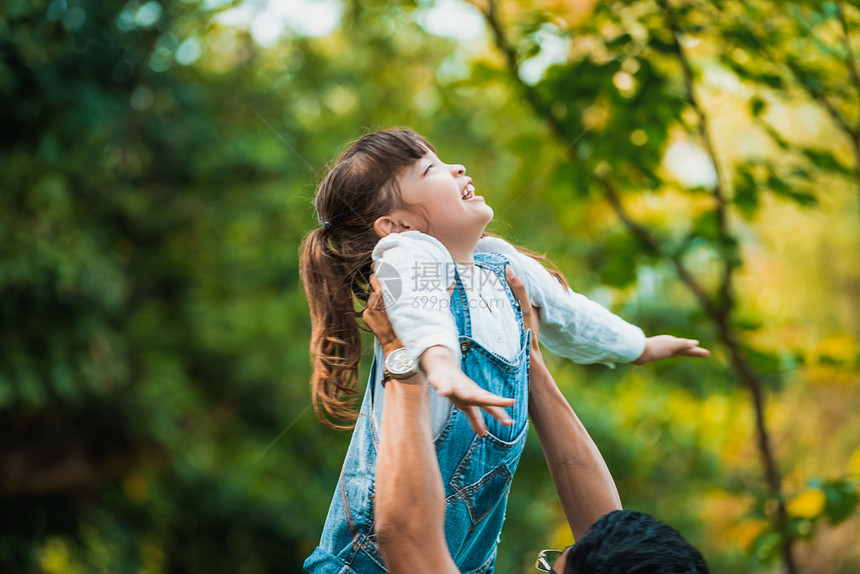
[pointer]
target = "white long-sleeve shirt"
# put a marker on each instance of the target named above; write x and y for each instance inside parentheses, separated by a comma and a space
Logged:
(416, 270)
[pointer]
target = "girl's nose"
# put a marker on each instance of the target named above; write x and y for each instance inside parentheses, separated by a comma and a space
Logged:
(458, 169)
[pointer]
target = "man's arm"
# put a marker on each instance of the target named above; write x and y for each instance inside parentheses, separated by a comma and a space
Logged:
(410, 498)
(581, 477)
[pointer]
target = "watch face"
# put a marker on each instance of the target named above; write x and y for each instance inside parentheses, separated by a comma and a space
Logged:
(400, 362)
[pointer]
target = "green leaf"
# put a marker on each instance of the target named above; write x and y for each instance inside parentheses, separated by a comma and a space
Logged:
(660, 45)
(742, 36)
(776, 136)
(617, 270)
(842, 499)
(766, 546)
(757, 106)
(830, 9)
(768, 365)
(746, 194)
(707, 226)
(772, 80)
(825, 160)
(620, 40)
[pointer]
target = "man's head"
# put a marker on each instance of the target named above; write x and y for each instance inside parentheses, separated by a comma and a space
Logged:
(630, 542)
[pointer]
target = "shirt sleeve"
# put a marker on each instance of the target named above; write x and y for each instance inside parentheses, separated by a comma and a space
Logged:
(414, 271)
(572, 325)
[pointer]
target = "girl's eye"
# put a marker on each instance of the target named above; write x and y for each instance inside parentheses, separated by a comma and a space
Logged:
(428, 168)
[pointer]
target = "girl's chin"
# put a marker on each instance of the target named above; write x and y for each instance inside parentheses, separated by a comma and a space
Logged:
(490, 213)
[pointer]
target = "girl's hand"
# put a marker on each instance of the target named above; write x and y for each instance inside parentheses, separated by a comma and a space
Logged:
(666, 346)
(443, 370)
(444, 375)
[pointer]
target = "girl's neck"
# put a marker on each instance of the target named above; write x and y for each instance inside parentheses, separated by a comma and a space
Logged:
(462, 252)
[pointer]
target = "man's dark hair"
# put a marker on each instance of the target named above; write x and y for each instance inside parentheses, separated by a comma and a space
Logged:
(630, 542)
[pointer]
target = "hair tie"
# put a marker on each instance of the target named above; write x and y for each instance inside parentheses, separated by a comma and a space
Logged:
(328, 226)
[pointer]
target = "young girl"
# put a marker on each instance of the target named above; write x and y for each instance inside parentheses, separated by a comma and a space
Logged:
(390, 202)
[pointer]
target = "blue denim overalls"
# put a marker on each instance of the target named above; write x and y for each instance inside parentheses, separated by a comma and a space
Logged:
(476, 471)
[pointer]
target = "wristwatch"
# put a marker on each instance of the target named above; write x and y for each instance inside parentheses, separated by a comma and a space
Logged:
(399, 365)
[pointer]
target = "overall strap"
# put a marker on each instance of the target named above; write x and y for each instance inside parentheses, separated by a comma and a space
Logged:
(497, 263)
(460, 305)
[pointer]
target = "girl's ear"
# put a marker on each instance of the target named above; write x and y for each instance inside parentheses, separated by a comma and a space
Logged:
(394, 222)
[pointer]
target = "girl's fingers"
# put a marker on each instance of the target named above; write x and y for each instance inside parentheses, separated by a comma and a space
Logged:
(479, 399)
(483, 398)
(500, 415)
(467, 392)
(698, 352)
(471, 394)
(689, 348)
(476, 420)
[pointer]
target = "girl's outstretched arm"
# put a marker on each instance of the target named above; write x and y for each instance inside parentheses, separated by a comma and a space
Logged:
(666, 346)
(580, 329)
(410, 498)
(581, 477)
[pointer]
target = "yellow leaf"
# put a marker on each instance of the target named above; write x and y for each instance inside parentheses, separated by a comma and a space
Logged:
(854, 462)
(747, 531)
(562, 537)
(807, 504)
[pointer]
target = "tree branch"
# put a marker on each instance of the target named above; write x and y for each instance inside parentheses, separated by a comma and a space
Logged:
(648, 239)
(798, 75)
(722, 319)
(532, 96)
(719, 191)
(850, 61)
(817, 95)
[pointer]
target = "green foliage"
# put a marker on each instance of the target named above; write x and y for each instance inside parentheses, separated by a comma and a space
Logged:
(159, 175)
(841, 498)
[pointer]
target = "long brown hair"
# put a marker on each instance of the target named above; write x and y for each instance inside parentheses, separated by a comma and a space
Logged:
(360, 187)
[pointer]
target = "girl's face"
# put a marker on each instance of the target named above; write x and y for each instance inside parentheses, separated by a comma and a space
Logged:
(441, 201)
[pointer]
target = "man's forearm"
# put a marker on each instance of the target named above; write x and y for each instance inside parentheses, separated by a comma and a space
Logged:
(582, 479)
(410, 498)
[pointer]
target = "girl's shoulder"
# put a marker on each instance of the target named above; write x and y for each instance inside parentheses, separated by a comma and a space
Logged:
(495, 244)
(414, 243)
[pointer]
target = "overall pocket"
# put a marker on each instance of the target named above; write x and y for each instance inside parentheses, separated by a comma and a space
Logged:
(483, 477)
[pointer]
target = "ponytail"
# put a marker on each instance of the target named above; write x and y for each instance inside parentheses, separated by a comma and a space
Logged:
(336, 261)
(330, 284)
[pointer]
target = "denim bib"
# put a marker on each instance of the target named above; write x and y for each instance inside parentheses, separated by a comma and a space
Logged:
(476, 470)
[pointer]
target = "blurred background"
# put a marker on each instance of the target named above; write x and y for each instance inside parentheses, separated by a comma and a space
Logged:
(691, 164)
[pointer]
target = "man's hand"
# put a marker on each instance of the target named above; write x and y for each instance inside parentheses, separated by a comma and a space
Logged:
(375, 318)
(531, 319)
(666, 346)
(443, 371)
